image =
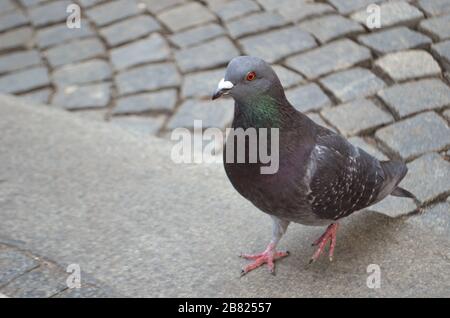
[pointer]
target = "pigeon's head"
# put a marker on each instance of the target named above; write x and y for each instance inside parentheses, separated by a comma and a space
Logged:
(247, 77)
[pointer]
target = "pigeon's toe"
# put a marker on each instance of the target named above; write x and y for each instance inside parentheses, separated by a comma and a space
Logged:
(329, 235)
(268, 257)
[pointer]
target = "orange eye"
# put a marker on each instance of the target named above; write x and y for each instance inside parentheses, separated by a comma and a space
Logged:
(250, 76)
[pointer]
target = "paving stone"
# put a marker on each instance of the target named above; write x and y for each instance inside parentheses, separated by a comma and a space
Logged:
(217, 115)
(185, 16)
(417, 135)
(48, 13)
(412, 97)
(307, 97)
(130, 29)
(447, 114)
(442, 52)
(151, 49)
(331, 57)
(24, 80)
(275, 45)
(356, 117)
(82, 73)
(270, 5)
(6, 6)
(297, 11)
(435, 7)
(318, 120)
(369, 148)
(41, 96)
(287, 77)
(428, 177)
(113, 11)
(437, 27)
(151, 77)
(235, 8)
(350, 84)
(164, 100)
(214, 53)
(254, 23)
(196, 35)
(348, 6)
(13, 264)
(96, 114)
(39, 283)
(86, 96)
(140, 125)
(74, 52)
(394, 206)
(32, 3)
(395, 39)
(156, 6)
(405, 65)
(17, 38)
(12, 20)
(87, 291)
(57, 34)
(19, 60)
(330, 27)
(201, 84)
(436, 218)
(392, 13)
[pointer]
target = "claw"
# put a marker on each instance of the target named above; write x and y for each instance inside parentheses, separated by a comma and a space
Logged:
(269, 256)
(329, 235)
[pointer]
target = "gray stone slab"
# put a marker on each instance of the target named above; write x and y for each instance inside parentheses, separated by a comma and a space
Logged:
(196, 35)
(406, 65)
(413, 97)
(394, 206)
(19, 60)
(164, 100)
(428, 177)
(82, 73)
(287, 77)
(212, 114)
(75, 52)
(436, 218)
(442, 52)
(129, 30)
(110, 12)
(297, 10)
(415, 136)
(210, 54)
(185, 16)
(352, 83)
(275, 45)
(17, 38)
(447, 114)
(271, 5)
(331, 57)
(315, 117)
(348, 6)
(330, 27)
(437, 27)
(201, 84)
(40, 96)
(395, 39)
(24, 80)
(254, 23)
(156, 6)
(42, 282)
(48, 13)
(83, 3)
(6, 6)
(235, 8)
(368, 147)
(146, 78)
(151, 49)
(87, 291)
(140, 125)
(32, 3)
(308, 97)
(356, 117)
(12, 20)
(14, 263)
(393, 13)
(435, 7)
(85, 96)
(188, 210)
(60, 33)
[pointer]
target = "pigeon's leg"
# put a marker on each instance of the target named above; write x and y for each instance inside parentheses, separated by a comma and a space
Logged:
(329, 235)
(270, 255)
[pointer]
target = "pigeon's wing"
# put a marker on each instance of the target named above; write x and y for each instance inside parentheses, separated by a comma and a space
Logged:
(343, 178)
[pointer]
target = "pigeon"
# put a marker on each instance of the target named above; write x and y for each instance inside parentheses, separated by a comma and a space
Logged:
(321, 177)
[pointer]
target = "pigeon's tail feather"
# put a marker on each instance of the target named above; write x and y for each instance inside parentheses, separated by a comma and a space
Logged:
(400, 192)
(394, 172)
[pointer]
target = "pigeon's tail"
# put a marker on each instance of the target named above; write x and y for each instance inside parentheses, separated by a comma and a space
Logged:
(396, 171)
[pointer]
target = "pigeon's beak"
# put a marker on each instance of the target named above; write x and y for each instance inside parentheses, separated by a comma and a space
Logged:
(223, 88)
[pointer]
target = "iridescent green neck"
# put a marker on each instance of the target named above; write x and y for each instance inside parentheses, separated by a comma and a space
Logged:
(259, 111)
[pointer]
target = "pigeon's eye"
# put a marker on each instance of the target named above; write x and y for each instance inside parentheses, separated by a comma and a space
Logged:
(250, 76)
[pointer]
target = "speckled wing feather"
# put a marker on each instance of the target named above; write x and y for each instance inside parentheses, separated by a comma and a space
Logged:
(343, 178)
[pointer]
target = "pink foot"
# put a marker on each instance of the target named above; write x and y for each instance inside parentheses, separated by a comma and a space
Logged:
(329, 235)
(269, 256)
